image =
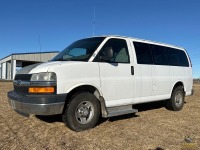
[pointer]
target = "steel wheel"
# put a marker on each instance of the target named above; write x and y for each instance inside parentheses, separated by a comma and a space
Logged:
(178, 99)
(84, 112)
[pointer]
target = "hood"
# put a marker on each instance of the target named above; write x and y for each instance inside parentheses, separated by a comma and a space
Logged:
(27, 69)
(43, 67)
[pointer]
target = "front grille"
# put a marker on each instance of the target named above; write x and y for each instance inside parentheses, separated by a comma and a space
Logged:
(21, 89)
(23, 77)
(22, 83)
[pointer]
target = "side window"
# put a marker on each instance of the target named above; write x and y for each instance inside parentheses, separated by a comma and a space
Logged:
(177, 57)
(173, 57)
(119, 50)
(143, 53)
(183, 59)
(159, 55)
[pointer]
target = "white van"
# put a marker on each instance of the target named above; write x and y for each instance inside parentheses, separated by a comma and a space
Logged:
(104, 76)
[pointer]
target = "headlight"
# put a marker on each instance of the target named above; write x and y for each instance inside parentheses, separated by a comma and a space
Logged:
(46, 76)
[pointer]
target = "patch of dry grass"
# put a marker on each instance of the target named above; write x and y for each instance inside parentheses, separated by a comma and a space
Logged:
(152, 127)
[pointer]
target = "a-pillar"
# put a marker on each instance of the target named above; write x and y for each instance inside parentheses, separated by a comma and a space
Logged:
(13, 66)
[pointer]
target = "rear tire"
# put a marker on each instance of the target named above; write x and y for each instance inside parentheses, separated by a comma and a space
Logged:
(176, 101)
(82, 112)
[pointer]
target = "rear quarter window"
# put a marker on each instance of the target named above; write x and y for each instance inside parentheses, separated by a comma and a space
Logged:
(177, 57)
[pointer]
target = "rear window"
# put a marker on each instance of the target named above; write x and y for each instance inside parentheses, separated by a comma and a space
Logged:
(177, 57)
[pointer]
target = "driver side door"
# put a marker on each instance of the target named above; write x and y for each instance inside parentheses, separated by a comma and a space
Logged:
(116, 74)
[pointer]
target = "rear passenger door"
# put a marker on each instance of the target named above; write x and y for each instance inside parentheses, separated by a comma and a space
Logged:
(162, 75)
(143, 72)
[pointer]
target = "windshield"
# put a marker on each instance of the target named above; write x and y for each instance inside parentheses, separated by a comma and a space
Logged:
(80, 50)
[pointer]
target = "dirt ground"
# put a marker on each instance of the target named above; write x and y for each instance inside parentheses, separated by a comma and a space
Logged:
(152, 128)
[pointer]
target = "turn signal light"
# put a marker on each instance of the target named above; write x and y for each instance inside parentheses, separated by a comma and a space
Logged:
(41, 90)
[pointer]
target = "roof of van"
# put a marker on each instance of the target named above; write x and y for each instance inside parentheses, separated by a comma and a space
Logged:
(142, 40)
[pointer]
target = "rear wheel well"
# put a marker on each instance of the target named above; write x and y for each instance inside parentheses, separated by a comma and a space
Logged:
(179, 84)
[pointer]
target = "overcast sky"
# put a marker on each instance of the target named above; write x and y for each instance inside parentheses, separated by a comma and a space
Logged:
(60, 22)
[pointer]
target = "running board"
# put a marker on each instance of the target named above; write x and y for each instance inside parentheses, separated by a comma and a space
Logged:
(120, 110)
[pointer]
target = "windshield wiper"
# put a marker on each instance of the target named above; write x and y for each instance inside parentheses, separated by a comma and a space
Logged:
(59, 59)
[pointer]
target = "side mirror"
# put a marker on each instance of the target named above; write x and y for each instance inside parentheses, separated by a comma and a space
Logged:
(106, 54)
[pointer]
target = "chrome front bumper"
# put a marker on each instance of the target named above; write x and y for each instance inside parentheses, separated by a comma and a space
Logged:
(25, 104)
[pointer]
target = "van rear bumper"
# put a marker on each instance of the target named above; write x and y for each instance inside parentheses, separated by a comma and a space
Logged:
(190, 93)
(37, 104)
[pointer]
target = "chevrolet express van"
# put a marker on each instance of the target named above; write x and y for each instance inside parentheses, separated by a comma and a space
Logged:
(103, 76)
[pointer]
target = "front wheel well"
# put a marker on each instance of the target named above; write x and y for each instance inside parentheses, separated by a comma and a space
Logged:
(85, 88)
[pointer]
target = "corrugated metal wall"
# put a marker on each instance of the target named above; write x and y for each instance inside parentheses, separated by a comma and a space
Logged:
(39, 57)
(8, 64)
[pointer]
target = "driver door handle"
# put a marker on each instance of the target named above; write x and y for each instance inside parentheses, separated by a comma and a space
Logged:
(132, 70)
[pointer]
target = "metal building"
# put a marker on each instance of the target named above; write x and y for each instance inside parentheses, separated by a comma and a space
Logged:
(9, 63)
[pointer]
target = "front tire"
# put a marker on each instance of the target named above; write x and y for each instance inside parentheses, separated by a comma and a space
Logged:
(176, 101)
(82, 112)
